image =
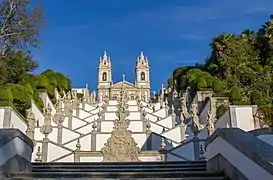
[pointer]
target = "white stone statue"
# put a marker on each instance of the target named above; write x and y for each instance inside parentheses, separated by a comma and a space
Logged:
(210, 123)
(195, 117)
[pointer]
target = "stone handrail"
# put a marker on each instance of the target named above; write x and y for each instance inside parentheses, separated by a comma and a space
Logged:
(257, 132)
(15, 151)
(240, 154)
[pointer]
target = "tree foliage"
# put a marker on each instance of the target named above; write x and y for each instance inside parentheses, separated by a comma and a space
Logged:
(19, 25)
(239, 66)
(16, 65)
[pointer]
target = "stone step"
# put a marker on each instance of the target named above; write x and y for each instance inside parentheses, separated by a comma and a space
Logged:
(75, 175)
(121, 165)
(84, 169)
(80, 166)
(183, 178)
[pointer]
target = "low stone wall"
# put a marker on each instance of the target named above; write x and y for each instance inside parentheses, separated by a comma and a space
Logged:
(15, 151)
(239, 154)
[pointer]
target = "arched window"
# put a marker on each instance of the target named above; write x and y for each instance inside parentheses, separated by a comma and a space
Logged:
(104, 76)
(142, 76)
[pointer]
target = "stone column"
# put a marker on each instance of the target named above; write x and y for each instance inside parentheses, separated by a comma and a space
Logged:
(162, 151)
(45, 149)
(144, 120)
(173, 119)
(60, 134)
(99, 121)
(77, 112)
(77, 152)
(83, 104)
(182, 131)
(7, 117)
(93, 137)
(196, 146)
(70, 117)
(167, 110)
(46, 129)
(148, 134)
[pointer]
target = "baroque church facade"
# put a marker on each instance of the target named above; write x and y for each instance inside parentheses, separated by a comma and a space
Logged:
(106, 89)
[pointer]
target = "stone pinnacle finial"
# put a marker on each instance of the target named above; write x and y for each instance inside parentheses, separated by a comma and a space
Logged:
(105, 55)
(141, 57)
(163, 145)
(39, 155)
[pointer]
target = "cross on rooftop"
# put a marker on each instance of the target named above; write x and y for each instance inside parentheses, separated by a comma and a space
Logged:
(123, 77)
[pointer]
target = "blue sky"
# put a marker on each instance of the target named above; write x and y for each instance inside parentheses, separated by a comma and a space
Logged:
(171, 33)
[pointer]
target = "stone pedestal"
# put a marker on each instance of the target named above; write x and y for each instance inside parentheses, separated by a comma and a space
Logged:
(15, 152)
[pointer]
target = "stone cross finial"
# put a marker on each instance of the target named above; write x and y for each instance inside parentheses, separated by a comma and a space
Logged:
(123, 77)
(39, 155)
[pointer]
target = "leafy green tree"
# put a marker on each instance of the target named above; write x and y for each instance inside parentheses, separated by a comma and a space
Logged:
(15, 66)
(240, 66)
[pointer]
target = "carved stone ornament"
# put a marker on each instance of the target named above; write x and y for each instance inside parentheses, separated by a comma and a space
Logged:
(58, 117)
(30, 125)
(195, 117)
(67, 106)
(184, 109)
(121, 146)
(210, 123)
(46, 129)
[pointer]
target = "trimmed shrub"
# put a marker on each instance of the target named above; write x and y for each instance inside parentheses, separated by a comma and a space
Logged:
(218, 86)
(29, 89)
(201, 83)
(21, 98)
(235, 94)
(5, 94)
(42, 83)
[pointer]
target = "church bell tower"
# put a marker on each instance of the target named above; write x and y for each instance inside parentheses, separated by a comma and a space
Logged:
(104, 77)
(143, 77)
